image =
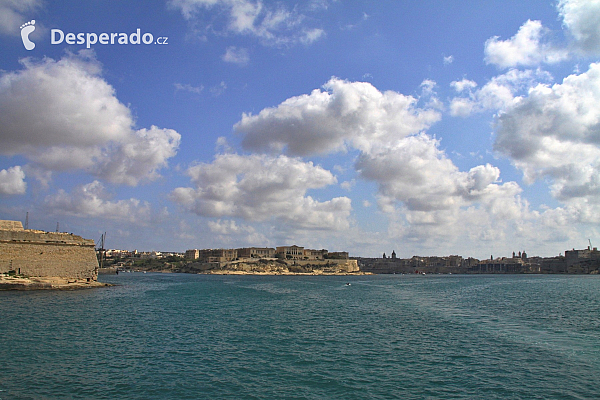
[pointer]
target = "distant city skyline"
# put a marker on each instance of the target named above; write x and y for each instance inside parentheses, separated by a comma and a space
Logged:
(424, 127)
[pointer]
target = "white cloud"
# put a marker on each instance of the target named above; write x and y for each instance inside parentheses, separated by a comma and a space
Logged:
(348, 185)
(189, 88)
(62, 115)
(353, 114)
(228, 226)
(234, 234)
(311, 35)
(273, 25)
(462, 85)
(219, 89)
(93, 201)
(498, 94)
(430, 197)
(417, 173)
(415, 179)
(140, 156)
(236, 55)
(12, 181)
(525, 48)
(554, 133)
(428, 87)
(263, 188)
(581, 17)
(13, 13)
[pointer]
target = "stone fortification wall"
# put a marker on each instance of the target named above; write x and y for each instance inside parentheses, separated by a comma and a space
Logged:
(340, 265)
(39, 253)
(31, 236)
(11, 225)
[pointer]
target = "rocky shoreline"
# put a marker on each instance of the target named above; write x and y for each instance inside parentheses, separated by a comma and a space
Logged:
(314, 273)
(8, 282)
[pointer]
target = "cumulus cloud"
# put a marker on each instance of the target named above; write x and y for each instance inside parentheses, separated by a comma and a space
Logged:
(525, 48)
(430, 197)
(343, 114)
(140, 156)
(62, 115)
(417, 173)
(13, 13)
(462, 85)
(273, 25)
(12, 181)
(581, 17)
(554, 133)
(261, 188)
(93, 201)
(497, 94)
(415, 179)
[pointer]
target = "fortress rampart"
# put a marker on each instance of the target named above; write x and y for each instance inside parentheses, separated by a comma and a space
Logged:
(43, 254)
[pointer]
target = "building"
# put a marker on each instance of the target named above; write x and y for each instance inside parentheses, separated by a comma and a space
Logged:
(217, 255)
(192, 254)
(338, 255)
(290, 252)
(502, 265)
(583, 261)
(310, 254)
(256, 252)
(573, 257)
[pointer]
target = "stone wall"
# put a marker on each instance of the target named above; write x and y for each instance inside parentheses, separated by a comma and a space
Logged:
(39, 253)
(11, 225)
(32, 236)
(70, 261)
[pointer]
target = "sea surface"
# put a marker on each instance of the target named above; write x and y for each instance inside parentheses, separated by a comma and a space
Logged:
(180, 336)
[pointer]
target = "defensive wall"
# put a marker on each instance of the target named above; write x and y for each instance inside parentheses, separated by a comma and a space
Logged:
(42, 254)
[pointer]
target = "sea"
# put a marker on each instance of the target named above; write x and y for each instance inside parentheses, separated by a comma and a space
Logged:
(184, 336)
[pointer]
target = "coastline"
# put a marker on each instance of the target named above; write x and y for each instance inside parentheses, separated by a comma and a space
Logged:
(314, 273)
(47, 283)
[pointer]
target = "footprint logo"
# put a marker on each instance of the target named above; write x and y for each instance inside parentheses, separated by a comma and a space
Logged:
(26, 29)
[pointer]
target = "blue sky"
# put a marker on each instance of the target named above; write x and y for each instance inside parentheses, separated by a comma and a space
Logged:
(428, 127)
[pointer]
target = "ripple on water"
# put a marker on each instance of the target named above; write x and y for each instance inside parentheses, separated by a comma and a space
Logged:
(189, 336)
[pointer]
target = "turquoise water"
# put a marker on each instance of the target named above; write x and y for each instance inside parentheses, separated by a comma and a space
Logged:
(178, 336)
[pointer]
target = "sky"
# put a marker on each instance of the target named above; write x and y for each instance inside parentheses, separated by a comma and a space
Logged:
(425, 128)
